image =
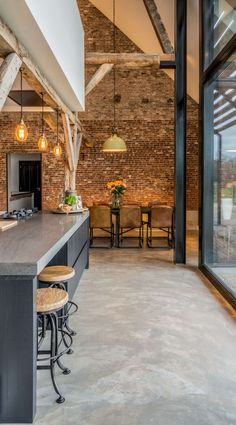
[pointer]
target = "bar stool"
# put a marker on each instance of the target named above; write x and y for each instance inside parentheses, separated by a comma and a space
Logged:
(56, 277)
(49, 302)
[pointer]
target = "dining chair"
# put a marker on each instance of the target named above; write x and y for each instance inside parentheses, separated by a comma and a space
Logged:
(156, 203)
(130, 219)
(101, 219)
(161, 217)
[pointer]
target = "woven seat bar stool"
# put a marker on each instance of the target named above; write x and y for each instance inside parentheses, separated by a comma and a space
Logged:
(58, 277)
(49, 302)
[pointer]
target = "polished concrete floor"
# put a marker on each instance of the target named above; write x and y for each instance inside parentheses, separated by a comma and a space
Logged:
(156, 345)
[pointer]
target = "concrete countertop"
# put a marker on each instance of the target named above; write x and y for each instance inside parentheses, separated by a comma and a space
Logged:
(28, 247)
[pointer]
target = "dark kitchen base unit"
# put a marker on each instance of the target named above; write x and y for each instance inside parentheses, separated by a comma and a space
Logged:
(18, 324)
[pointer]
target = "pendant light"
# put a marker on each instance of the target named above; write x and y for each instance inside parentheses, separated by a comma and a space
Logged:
(114, 143)
(42, 143)
(57, 150)
(21, 131)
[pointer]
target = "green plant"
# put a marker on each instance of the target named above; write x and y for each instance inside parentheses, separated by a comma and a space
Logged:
(71, 200)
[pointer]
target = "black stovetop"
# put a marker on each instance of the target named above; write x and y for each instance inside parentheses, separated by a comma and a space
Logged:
(23, 213)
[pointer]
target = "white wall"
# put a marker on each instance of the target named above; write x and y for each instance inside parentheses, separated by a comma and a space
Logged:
(61, 25)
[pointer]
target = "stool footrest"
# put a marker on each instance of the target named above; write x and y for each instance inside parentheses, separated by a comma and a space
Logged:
(40, 367)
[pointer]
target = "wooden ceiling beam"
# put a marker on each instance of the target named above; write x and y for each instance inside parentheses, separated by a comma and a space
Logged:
(158, 26)
(8, 73)
(127, 59)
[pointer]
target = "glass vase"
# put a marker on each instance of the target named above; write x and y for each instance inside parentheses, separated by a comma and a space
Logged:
(116, 200)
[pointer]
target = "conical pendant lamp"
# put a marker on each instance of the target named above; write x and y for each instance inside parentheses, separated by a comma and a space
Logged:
(21, 131)
(42, 142)
(114, 143)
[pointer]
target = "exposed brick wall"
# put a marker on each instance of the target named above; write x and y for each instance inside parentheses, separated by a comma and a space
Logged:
(145, 118)
(53, 169)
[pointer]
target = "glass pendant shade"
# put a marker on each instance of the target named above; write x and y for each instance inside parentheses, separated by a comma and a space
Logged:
(43, 143)
(57, 150)
(21, 132)
(114, 144)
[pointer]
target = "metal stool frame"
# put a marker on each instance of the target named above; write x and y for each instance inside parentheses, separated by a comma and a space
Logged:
(49, 320)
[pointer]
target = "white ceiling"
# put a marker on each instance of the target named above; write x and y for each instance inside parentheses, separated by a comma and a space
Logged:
(132, 19)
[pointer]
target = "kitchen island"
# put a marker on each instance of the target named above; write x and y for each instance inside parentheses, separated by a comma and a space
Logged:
(45, 239)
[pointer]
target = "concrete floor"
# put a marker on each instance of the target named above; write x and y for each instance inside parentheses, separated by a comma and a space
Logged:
(156, 346)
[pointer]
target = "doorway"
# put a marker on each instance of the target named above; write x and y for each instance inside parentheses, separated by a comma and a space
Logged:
(30, 180)
(24, 181)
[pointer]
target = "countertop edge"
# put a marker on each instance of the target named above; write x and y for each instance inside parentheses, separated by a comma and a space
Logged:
(33, 269)
(52, 252)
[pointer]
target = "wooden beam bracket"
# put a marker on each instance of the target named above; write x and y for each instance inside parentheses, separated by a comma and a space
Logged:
(101, 72)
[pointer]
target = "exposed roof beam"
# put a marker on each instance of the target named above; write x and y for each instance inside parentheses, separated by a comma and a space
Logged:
(8, 72)
(127, 59)
(9, 44)
(73, 149)
(218, 114)
(69, 141)
(227, 98)
(158, 26)
(225, 118)
(227, 83)
(101, 72)
(226, 126)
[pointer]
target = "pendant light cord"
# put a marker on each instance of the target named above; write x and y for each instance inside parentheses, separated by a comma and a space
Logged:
(21, 96)
(42, 115)
(57, 125)
(114, 68)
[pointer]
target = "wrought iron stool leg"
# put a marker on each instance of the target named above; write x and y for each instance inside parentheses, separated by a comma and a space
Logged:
(61, 285)
(65, 370)
(60, 399)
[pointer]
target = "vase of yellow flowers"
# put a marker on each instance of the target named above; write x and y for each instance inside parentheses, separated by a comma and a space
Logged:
(117, 189)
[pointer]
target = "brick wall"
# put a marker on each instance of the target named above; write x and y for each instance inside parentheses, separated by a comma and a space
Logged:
(52, 168)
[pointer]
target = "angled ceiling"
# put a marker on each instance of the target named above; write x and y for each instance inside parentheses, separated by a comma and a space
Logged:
(52, 33)
(132, 19)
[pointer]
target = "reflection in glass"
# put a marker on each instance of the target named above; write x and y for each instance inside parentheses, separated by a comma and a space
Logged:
(220, 26)
(220, 142)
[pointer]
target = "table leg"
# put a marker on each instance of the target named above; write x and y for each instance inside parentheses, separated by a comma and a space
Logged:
(18, 349)
(117, 230)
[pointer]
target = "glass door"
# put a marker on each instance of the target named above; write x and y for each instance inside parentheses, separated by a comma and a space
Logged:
(218, 162)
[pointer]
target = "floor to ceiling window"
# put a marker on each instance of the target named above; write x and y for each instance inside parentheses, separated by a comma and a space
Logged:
(218, 239)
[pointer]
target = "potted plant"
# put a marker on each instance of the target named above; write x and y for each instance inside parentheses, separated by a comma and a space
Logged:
(72, 201)
(117, 189)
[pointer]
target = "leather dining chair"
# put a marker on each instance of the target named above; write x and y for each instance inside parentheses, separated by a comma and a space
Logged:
(130, 219)
(101, 219)
(161, 217)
